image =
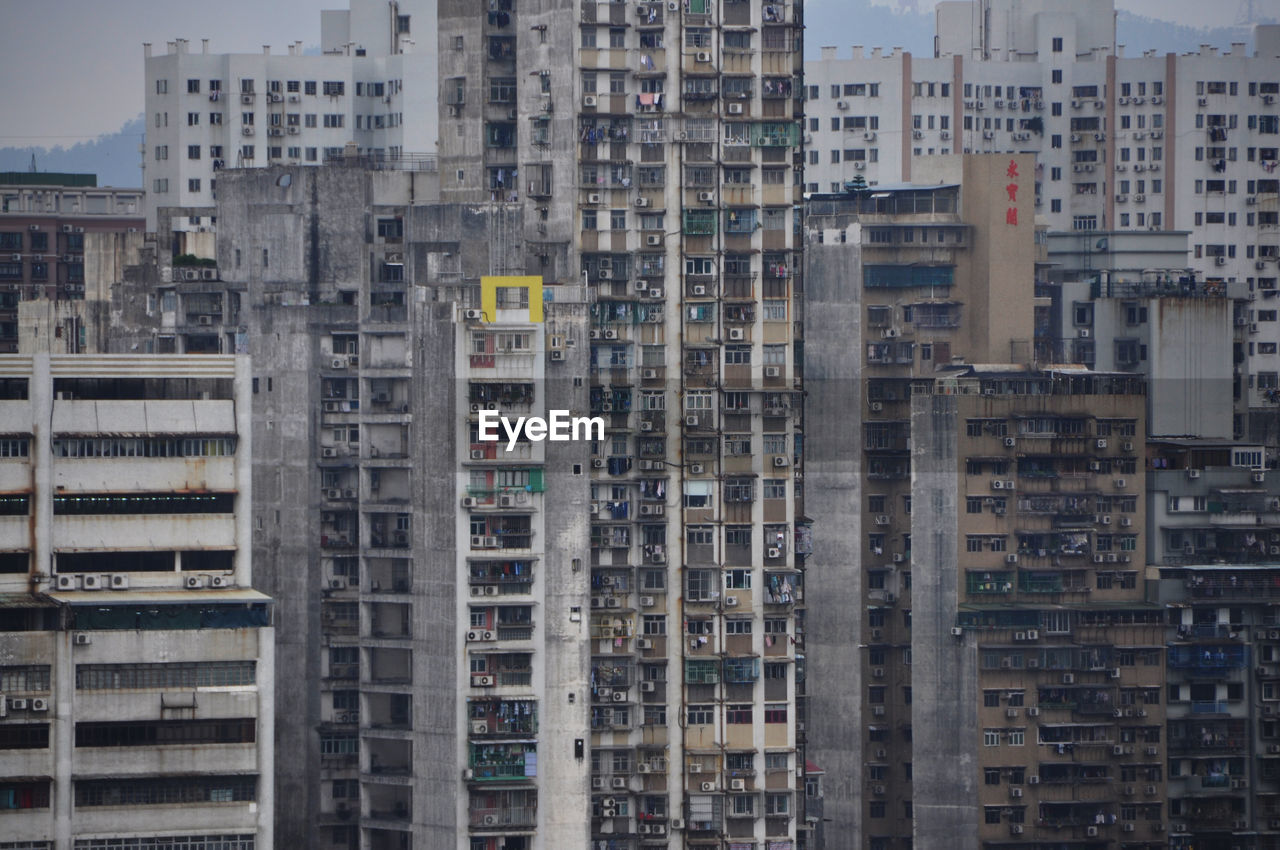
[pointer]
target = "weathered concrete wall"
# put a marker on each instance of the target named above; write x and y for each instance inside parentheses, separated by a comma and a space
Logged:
(834, 581)
(435, 582)
(944, 675)
(566, 574)
(285, 358)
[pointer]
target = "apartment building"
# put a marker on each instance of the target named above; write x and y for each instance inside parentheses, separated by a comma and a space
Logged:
(1035, 640)
(438, 639)
(654, 150)
(1122, 143)
(1213, 537)
(634, 606)
(901, 281)
(137, 683)
(1125, 301)
(373, 86)
(63, 241)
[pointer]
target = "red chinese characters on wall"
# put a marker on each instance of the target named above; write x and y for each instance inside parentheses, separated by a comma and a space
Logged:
(1011, 189)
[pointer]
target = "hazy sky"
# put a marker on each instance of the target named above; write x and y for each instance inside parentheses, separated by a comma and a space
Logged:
(73, 68)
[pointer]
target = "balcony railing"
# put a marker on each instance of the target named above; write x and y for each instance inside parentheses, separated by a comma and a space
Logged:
(506, 817)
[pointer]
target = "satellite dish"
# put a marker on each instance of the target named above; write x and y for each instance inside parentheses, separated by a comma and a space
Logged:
(284, 180)
(1101, 244)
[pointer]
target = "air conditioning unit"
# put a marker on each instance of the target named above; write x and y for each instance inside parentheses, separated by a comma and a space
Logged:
(92, 583)
(957, 631)
(223, 581)
(1010, 442)
(1011, 559)
(702, 56)
(708, 786)
(589, 101)
(67, 582)
(1033, 711)
(735, 109)
(193, 582)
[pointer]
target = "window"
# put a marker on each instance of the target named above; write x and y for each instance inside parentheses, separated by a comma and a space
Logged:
(700, 715)
(1057, 44)
(334, 88)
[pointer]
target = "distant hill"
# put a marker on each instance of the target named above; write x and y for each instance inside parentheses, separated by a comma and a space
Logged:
(1138, 33)
(113, 157)
(844, 24)
(830, 22)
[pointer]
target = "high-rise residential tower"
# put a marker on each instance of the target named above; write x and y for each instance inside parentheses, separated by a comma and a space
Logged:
(654, 149)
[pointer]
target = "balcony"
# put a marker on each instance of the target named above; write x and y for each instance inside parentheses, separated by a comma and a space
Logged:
(503, 818)
(503, 762)
(1208, 659)
(1232, 587)
(1207, 738)
(989, 583)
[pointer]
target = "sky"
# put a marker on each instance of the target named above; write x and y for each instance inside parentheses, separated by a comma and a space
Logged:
(81, 60)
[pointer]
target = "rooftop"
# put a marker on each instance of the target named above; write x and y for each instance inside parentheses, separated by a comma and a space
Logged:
(47, 178)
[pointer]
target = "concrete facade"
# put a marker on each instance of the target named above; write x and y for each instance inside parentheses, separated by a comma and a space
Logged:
(653, 149)
(137, 667)
(1124, 301)
(902, 280)
(1213, 537)
(63, 242)
(436, 635)
(1040, 636)
(1121, 143)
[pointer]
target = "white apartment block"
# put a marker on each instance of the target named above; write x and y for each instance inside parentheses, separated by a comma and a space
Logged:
(136, 663)
(372, 87)
(1156, 141)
